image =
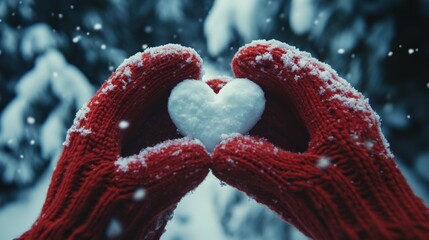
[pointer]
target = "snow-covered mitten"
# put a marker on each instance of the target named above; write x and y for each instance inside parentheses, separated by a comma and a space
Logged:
(324, 165)
(104, 186)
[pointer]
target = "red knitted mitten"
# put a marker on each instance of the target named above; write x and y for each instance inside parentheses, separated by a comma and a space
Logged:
(343, 183)
(97, 194)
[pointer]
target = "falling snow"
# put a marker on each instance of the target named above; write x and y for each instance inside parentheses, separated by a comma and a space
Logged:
(76, 39)
(31, 120)
(123, 124)
(323, 162)
(114, 229)
(98, 26)
(139, 194)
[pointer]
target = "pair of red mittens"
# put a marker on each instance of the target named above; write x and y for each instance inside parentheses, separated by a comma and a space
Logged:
(344, 183)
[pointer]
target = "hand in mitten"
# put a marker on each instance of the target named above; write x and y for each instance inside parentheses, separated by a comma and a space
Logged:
(323, 165)
(103, 187)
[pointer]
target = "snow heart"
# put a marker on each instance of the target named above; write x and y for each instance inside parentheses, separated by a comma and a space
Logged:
(198, 112)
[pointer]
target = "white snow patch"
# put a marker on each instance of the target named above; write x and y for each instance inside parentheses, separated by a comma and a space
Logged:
(200, 113)
(35, 39)
(198, 214)
(98, 26)
(314, 72)
(265, 57)
(170, 49)
(227, 18)
(167, 49)
(302, 62)
(123, 162)
(386, 144)
(127, 71)
(356, 104)
(273, 44)
(76, 127)
(325, 75)
(302, 15)
(109, 87)
(226, 137)
(134, 59)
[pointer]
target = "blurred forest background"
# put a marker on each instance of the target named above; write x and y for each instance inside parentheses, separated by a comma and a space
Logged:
(55, 54)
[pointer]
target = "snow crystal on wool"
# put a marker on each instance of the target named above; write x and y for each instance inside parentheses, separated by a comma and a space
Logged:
(226, 137)
(167, 49)
(76, 127)
(127, 71)
(273, 44)
(109, 87)
(302, 62)
(356, 104)
(242, 142)
(170, 49)
(264, 57)
(122, 163)
(325, 75)
(288, 60)
(135, 59)
(200, 113)
(385, 143)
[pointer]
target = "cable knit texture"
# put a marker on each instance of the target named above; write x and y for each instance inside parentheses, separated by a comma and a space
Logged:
(340, 181)
(97, 194)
